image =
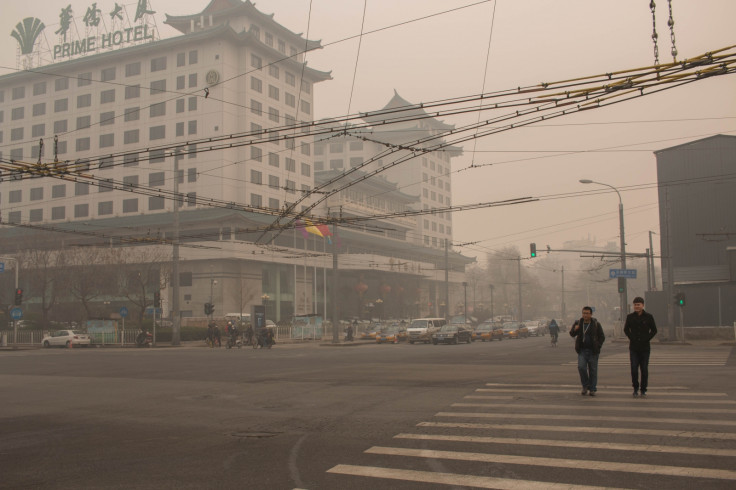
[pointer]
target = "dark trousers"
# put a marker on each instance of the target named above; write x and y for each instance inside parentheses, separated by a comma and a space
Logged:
(639, 361)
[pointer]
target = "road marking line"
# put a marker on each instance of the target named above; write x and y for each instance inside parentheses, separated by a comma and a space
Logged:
(577, 464)
(627, 409)
(647, 420)
(649, 402)
(548, 385)
(577, 429)
(455, 479)
(514, 390)
(652, 448)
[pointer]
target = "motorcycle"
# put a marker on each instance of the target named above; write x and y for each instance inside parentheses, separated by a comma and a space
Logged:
(144, 339)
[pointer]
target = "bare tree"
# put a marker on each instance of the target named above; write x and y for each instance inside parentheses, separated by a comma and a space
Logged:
(90, 274)
(44, 275)
(142, 272)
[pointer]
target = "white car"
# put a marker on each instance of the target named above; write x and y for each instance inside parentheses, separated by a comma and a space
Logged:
(63, 338)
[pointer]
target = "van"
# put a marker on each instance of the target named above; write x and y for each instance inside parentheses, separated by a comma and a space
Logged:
(237, 317)
(421, 329)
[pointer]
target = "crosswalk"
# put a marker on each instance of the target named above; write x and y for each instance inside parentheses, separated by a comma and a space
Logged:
(662, 358)
(535, 436)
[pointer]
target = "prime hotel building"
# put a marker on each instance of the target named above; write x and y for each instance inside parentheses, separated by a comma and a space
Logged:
(126, 115)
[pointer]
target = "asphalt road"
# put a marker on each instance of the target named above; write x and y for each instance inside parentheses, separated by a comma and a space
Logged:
(485, 415)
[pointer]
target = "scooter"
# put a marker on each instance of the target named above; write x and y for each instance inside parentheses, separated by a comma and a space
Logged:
(231, 342)
(144, 339)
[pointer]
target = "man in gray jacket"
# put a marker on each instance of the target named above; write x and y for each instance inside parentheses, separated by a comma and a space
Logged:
(589, 338)
(640, 329)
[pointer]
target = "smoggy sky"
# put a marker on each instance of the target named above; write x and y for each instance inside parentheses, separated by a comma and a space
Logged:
(532, 41)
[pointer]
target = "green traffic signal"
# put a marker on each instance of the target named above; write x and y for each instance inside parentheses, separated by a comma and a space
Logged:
(533, 249)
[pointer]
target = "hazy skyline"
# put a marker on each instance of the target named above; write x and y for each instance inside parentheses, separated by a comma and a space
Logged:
(427, 57)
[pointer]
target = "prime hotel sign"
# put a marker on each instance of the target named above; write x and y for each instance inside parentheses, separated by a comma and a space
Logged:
(118, 34)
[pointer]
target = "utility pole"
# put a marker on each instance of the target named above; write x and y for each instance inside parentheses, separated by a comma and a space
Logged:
(447, 280)
(562, 305)
(175, 320)
(521, 306)
(649, 271)
(492, 316)
(335, 281)
(651, 258)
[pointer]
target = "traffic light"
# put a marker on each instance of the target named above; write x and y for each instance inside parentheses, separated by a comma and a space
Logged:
(209, 308)
(157, 299)
(533, 249)
(680, 299)
(621, 284)
(18, 296)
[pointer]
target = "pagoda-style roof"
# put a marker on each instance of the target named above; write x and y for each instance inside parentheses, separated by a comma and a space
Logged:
(398, 107)
(222, 11)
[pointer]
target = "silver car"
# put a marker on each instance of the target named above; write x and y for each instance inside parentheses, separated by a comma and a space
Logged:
(66, 338)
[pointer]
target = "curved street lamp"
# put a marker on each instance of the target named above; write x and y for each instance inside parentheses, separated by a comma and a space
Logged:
(624, 298)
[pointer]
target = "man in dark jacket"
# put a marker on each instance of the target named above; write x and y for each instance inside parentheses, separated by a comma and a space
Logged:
(640, 329)
(589, 338)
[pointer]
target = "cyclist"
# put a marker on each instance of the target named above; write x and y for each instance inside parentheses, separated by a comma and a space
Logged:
(554, 331)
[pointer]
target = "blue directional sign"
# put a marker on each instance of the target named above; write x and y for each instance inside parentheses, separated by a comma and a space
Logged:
(123, 311)
(16, 313)
(2, 266)
(627, 273)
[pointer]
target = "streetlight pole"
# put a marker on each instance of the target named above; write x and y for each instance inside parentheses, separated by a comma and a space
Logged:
(624, 294)
(465, 302)
(493, 318)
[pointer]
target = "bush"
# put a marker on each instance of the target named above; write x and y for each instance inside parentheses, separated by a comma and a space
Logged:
(163, 334)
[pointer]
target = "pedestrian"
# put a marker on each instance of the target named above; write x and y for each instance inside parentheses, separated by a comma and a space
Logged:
(640, 329)
(589, 338)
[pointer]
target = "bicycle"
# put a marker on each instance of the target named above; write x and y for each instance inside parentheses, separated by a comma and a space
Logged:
(553, 340)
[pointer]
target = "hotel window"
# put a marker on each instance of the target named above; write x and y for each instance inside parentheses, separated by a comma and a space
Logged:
(192, 127)
(83, 122)
(191, 175)
(2, 116)
(62, 84)
(193, 57)
(83, 144)
(273, 159)
(15, 196)
(273, 92)
(107, 118)
(336, 147)
(130, 159)
(39, 88)
(336, 164)
(84, 100)
(81, 189)
(106, 163)
(192, 151)
(1, 140)
(356, 145)
(132, 91)
(81, 210)
(58, 212)
(255, 31)
(58, 191)
(426, 224)
(158, 87)
(256, 154)
(269, 39)
(2, 95)
(157, 110)
(130, 205)
(156, 179)
(18, 93)
(192, 80)
(179, 105)
(255, 128)
(290, 186)
(180, 129)
(356, 161)
(256, 84)
(306, 87)
(35, 215)
(425, 193)
(289, 99)
(305, 149)
(61, 147)
(181, 59)
(255, 61)
(83, 79)
(39, 109)
(157, 132)
(158, 64)
(107, 140)
(306, 170)
(255, 107)
(282, 46)
(16, 154)
(306, 107)
(104, 208)
(14, 217)
(131, 136)
(61, 105)
(273, 114)
(292, 51)
(290, 78)
(156, 156)
(273, 70)
(133, 69)
(256, 200)
(290, 164)
(107, 96)
(155, 203)
(36, 193)
(191, 198)
(180, 82)
(16, 134)
(256, 177)
(37, 130)
(273, 203)
(192, 103)
(18, 113)
(290, 143)
(107, 74)
(132, 114)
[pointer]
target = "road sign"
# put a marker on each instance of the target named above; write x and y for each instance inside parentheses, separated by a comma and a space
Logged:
(627, 273)
(16, 313)
(2, 266)
(123, 311)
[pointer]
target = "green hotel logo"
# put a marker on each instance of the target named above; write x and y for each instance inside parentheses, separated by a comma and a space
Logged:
(27, 32)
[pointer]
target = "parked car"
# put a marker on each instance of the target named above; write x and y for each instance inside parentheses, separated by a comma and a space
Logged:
(523, 331)
(371, 332)
(488, 331)
(65, 338)
(515, 330)
(421, 329)
(393, 334)
(452, 333)
(534, 329)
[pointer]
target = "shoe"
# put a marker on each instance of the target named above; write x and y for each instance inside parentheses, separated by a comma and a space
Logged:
(636, 394)
(584, 392)
(592, 393)
(643, 394)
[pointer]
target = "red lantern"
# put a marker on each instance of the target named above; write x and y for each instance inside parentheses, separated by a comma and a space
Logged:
(361, 288)
(385, 289)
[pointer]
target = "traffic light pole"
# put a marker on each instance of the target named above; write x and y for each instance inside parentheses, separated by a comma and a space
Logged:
(15, 323)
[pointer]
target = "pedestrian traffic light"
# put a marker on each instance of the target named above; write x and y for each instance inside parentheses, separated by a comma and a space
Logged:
(680, 299)
(207, 308)
(621, 284)
(18, 296)
(157, 299)
(533, 249)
